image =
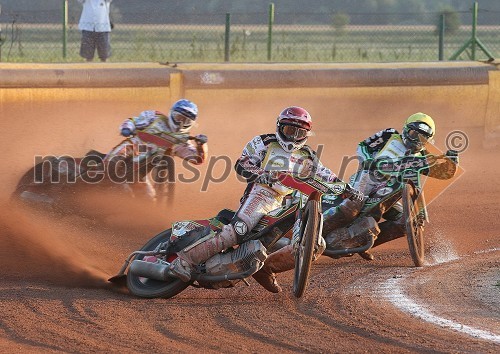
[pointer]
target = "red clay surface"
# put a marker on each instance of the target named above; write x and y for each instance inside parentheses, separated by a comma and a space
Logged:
(54, 296)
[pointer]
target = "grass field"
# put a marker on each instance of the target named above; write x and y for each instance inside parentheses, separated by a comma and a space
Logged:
(152, 43)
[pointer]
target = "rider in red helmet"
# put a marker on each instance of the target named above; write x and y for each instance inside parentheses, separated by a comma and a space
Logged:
(418, 129)
(285, 150)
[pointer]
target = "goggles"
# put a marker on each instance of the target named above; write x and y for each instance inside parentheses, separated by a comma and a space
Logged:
(181, 119)
(293, 133)
(415, 135)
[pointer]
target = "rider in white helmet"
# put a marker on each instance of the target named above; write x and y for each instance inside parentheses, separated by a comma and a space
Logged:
(285, 150)
(176, 124)
(174, 127)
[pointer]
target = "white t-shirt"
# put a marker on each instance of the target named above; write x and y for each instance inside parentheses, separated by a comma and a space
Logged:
(95, 16)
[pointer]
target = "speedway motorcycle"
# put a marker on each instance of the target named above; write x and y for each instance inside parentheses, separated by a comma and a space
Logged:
(146, 271)
(400, 179)
(54, 180)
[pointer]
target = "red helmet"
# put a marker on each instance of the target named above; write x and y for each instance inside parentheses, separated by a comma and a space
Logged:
(293, 126)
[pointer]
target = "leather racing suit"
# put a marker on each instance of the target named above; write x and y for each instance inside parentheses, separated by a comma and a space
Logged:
(155, 122)
(387, 143)
(262, 153)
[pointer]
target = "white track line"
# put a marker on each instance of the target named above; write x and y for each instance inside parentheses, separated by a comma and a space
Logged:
(392, 289)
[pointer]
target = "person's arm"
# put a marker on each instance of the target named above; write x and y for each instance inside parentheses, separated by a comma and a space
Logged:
(194, 153)
(445, 168)
(369, 147)
(249, 163)
(328, 176)
(127, 128)
(130, 125)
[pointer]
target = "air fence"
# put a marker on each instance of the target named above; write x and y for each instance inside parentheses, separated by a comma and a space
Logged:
(53, 36)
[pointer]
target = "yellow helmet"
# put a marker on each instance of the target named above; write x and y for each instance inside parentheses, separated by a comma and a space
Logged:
(417, 130)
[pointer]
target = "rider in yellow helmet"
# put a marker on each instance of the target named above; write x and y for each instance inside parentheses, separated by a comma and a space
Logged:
(418, 130)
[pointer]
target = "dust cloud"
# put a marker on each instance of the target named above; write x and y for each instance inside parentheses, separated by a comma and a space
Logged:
(33, 247)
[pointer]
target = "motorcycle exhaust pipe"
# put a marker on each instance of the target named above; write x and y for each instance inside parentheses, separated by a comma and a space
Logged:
(156, 271)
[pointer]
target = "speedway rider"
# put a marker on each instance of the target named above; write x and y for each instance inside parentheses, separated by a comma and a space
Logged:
(418, 129)
(285, 150)
(173, 127)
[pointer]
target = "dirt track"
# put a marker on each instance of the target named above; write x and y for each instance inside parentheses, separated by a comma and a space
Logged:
(54, 297)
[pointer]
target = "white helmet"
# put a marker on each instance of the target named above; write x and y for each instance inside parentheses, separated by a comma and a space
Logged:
(293, 126)
(182, 116)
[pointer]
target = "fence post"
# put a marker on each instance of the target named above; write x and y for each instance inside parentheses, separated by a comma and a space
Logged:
(1, 38)
(270, 32)
(441, 36)
(474, 31)
(226, 38)
(473, 41)
(65, 27)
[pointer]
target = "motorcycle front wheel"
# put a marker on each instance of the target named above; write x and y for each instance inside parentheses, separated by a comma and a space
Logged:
(414, 224)
(309, 232)
(163, 177)
(150, 288)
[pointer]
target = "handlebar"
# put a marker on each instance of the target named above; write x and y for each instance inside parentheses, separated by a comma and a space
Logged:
(165, 141)
(388, 165)
(307, 185)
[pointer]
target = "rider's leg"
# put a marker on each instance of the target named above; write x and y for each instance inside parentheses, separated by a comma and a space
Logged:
(260, 201)
(392, 228)
(389, 230)
(345, 212)
(341, 215)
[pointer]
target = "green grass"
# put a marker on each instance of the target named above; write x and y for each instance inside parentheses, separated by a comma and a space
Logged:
(31, 43)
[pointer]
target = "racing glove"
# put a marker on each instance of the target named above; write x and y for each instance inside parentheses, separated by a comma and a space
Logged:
(201, 139)
(126, 132)
(266, 178)
(452, 155)
(353, 194)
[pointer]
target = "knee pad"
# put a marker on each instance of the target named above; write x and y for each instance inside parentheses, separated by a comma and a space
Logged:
(241, 229)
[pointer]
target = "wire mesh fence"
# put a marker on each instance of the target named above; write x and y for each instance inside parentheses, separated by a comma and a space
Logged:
(40, 36)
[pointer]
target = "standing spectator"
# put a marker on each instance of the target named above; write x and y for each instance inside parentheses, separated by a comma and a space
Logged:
(96, 28)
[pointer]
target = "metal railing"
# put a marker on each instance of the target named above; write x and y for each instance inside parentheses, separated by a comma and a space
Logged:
(24, 37)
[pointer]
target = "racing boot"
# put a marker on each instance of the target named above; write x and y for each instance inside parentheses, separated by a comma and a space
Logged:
(200, 251)
(277, 262)
(366, 256)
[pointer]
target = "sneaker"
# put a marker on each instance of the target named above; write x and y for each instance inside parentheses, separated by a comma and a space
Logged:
(181, 269)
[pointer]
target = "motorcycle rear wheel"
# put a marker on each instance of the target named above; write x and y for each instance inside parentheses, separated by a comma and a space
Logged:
(149, 288)
(309, 231)
(414, 226)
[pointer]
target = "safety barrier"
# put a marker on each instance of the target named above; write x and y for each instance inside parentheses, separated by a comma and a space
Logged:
(479, 83)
